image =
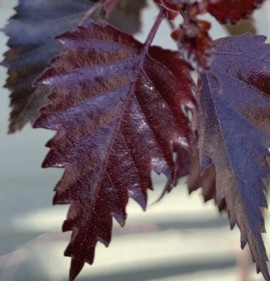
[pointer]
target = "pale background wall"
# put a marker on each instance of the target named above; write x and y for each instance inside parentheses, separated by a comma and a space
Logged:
(177, 239)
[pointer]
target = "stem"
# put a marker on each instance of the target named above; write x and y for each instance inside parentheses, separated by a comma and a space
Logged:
(110, 6)
(171, 24)
(94, 8)
(155, 28)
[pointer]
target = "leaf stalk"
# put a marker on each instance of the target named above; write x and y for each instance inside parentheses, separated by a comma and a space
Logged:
(155, 28)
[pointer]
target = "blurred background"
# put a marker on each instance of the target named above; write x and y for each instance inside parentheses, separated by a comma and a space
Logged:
(179, 238)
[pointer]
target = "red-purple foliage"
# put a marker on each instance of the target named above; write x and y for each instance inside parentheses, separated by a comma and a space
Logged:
(122, 109)
(116, 109)
(235, 94)
(31, 32)
(232, 10)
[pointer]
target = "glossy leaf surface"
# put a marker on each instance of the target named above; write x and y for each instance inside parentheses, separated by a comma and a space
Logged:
(232, 10)
(31, 33)
(117, 111)
(234, 133)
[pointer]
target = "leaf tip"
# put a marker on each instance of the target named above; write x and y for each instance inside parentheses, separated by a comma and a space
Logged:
(38, 122)
(67, 226)
(75, 268)
(243, 242)
(61, 198)
(46, 78)
(46, 163)
(120, 218)
(167, 189)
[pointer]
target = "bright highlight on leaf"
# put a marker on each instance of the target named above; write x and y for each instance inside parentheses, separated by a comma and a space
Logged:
(116, 111)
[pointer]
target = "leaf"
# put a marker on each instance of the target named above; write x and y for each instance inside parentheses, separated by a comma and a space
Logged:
(117, 111)
(188, 165)
(232, 10)
(192, 37)
(194, 42)
(31, 31)
(206, 180)
(235, 133)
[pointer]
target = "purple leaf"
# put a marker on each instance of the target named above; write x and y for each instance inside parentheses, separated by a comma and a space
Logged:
(235, 133)
(31, 33)
(117, 111)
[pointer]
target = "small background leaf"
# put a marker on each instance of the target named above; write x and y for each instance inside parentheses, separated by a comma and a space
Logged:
(194, 42)
(231, 11)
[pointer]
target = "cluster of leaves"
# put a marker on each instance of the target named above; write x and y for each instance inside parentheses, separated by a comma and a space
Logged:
(122, 109)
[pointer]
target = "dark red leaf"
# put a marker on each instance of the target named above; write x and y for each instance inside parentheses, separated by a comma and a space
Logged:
(235, 133)
(194, 42)
(232, 10)
(204, 178)
(188, 165)
(117, 111)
